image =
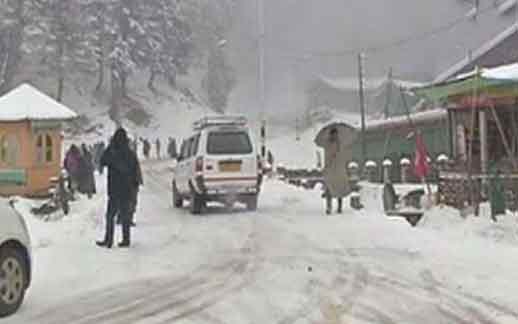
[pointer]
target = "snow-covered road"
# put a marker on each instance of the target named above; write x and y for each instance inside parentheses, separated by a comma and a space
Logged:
(286, 263)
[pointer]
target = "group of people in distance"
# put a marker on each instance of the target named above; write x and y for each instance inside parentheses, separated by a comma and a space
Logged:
(147, 147)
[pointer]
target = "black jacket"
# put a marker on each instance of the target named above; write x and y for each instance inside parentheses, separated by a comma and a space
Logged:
(124, 175)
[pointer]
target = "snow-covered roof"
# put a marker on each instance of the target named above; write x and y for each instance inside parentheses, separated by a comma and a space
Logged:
(387, 163)
(353, 84)
(372, 124)
(485, 48)
(370, 164)
(442, 158)
(504, 72)
(420, 117)
(405, 161)
(28, 103)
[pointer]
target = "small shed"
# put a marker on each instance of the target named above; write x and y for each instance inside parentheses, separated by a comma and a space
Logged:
(30, 141)
(482, 110)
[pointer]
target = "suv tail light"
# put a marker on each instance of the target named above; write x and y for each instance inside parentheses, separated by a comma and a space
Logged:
(199, 165)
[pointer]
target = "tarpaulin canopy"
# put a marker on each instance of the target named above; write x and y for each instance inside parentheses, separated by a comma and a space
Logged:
(498, 82)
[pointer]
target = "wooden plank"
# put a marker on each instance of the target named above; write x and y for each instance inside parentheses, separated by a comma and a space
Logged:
(504, 138)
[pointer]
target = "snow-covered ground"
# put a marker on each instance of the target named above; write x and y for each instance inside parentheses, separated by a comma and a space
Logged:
(286, 263)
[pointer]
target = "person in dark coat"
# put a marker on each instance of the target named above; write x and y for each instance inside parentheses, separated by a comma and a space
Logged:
(146, 148)
(86, 173)
(98, 153)
(123, 183)
(158, 146)
(134, 198)
(72, 165)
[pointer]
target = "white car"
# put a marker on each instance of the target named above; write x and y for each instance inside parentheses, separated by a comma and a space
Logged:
(15, 259)
(219, 162)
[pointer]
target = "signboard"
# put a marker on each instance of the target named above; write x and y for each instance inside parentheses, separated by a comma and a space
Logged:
(9, 177)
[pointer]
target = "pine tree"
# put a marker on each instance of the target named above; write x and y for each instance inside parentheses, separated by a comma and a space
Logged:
(13, 21)
(65, 46)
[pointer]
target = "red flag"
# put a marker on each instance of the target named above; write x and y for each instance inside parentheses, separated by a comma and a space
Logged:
(422, 168)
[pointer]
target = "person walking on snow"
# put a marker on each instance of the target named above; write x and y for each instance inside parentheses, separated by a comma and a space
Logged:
(158, 148)
(335, 175)
(72, 165)
(98, 153)
(146, 148)
(123, 182)
(171, 148)
(86, 173)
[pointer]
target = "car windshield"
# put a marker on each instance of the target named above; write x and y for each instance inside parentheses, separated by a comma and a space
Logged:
(231, 142)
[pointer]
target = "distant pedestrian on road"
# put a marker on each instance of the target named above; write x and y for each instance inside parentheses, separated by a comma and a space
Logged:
(171, 148)
(123, 182)
(72, 165)
(146, 147)
(86, 173)
(335, 173)
(158, 148)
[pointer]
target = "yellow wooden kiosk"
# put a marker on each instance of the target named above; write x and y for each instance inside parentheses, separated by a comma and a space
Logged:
(30, 141)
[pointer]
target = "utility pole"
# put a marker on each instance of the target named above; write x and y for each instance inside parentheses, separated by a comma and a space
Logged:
(261, 73)
(362, 108)
(389, 94)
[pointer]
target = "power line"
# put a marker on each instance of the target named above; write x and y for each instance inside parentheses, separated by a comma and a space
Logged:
(394, 44)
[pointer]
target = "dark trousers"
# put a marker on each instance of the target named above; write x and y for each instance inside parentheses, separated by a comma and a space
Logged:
(120, 208)
(329, 204)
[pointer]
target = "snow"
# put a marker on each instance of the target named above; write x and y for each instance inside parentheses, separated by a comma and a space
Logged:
(442, 158)
(370, 164)
(405, 161)
(28, 103)
(387, 163)
(352, 84)
(505, 72)
(287, 263)
(353, 165)
(433, 115)
(484, 49)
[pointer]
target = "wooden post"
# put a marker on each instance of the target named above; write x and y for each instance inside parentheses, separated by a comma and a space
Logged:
(514, 128)
(504, 138)
(362, 108)
(483, 145)
(471, 185)
(389, 94)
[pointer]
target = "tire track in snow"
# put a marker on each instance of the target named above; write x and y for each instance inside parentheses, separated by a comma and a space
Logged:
(187, 295)
(465, 306)
(133, 302)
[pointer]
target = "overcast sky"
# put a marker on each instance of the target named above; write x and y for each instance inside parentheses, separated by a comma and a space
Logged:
(307, 28)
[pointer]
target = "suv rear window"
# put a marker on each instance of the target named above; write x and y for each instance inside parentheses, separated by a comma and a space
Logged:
(232, 142)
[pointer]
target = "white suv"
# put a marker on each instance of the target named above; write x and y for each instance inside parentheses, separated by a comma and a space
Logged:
(15, 259)
(219, 162)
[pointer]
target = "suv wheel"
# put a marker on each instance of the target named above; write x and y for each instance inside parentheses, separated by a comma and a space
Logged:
(13, 280)
(177, 198)
(197, 203)
(251, 203)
